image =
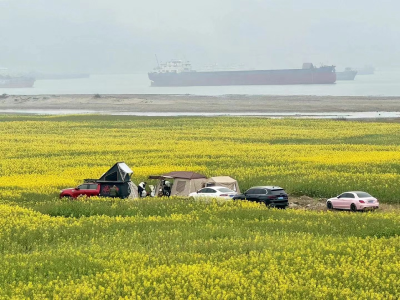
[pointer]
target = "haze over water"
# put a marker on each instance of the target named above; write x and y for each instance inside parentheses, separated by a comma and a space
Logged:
(382, 83)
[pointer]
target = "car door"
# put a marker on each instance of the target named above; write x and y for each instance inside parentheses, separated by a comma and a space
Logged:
(212, 193)
(201, 192)
(337, 203)
(205, 192)
(82, 190)
(342, 201)
(251, 194)
(260, 195)
(92, 189)
(348, 201)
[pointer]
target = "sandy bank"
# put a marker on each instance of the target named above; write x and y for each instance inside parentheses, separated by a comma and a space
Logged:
(195, 104)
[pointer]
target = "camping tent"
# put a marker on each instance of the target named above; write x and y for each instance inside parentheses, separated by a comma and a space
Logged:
(184, 182)
(226, 181)
(120, 176)
(119, 172)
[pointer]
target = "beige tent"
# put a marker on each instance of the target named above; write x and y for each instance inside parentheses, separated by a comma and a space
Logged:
(226, 181)
(184, 182)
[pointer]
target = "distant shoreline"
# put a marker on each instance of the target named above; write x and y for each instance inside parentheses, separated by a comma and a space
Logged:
(226, 104)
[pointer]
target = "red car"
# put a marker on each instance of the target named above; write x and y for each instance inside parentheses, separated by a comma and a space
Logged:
(87, 189)
(353, 201)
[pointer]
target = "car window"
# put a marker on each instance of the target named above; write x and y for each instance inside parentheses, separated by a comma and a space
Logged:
(92, 186)
(225, 190)
(207, 191)
(251, 191)
(276, 192)
(83, 187)
(261, 192)
(346, 195)
(363, 195)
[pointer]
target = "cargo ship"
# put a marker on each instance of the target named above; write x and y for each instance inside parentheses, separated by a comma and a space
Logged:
(347, 74)
(180, 73)
(16, 82)
(8, 81)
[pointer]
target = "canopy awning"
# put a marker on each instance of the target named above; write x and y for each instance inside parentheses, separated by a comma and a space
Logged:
(179, 174)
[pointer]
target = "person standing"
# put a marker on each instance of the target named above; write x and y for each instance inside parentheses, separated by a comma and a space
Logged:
(142, 189)
(166, 188)
(114, 191)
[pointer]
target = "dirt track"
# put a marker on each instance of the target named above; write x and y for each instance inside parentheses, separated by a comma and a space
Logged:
(193, 103)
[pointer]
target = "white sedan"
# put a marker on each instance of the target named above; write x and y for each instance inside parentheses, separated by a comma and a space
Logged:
(353, 201)
(214, 192)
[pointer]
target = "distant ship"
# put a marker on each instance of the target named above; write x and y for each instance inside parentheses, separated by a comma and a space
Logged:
(16, 82)
(347, 74)
(180, 73)
(11, 81)
(367, 70)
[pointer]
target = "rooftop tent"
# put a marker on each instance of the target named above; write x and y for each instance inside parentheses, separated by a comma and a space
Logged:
(120, 176)
(225, 181)
(184, 182)
(119, 172)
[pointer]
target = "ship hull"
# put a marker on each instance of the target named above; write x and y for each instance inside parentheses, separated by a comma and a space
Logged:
(16, 82)
(346, 75)
(323, 75)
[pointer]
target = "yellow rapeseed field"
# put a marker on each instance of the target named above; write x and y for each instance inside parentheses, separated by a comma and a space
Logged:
(182, 249)
(40, 155)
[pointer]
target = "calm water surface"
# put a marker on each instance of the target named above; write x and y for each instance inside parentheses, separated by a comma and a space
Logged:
(330, 115)
(382, 83)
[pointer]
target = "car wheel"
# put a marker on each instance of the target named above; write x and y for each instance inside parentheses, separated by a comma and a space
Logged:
(329, 205)
(353, 207)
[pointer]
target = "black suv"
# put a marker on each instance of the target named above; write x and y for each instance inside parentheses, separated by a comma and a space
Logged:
(271, 196)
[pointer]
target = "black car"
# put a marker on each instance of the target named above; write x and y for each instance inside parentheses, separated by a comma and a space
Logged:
(271, 196)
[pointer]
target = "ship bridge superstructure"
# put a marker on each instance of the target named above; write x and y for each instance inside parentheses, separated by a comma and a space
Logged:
(174, 66)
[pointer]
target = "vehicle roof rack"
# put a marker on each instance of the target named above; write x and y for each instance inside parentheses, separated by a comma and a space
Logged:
(87, 180)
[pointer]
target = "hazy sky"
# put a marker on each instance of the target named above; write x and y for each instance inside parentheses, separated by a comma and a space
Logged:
(122, 36)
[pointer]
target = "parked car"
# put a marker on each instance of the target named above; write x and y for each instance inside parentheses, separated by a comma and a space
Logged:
(353, 201)
(272, 196)
(87, 189)
(214, 192)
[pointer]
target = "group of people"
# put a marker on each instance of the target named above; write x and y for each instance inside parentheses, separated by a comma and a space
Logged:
(164, 190)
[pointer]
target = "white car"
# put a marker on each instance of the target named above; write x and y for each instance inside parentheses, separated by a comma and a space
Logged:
(353, 201)
(214, 192)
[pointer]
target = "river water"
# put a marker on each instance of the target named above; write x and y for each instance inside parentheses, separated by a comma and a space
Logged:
(305, 115)
(382, 83)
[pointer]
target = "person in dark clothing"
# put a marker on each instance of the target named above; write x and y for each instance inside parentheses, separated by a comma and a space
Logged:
(166, 188)
(142, 189)
(114, 191)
